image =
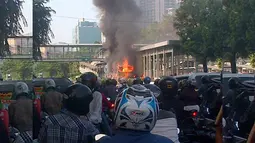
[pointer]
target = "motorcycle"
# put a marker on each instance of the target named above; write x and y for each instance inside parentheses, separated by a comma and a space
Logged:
(237, 120)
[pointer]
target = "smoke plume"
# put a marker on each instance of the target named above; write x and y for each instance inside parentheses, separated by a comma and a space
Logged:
(120, 27)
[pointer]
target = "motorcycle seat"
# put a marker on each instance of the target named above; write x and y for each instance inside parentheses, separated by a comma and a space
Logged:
(191, 107)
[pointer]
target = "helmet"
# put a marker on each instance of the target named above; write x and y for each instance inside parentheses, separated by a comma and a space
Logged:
(114, 82)
(205, 79)
(183, 83)
(137, 81)
(147, 80)
(168, 85)
(89, 79)
(233, 82)
(21, 88)
(136, 109)
(122, 80)
(156, 82)
(78, 99)
(50, 83)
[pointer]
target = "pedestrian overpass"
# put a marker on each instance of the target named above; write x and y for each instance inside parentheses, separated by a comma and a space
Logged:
(74, 52)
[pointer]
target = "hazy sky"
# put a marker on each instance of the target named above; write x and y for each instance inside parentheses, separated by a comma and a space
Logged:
(62, 26)
(27, 12)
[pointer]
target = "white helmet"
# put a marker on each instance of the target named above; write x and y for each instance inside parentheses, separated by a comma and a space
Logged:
(136, 109)
(50, 83)
(21, 87)
(122, 80)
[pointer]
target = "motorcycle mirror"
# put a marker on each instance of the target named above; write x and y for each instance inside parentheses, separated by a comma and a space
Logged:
(99, 136)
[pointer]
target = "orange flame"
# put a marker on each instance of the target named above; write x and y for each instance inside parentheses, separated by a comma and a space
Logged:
(125, 68)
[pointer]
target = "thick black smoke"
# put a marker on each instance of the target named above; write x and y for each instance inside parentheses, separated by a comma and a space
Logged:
(120, 27)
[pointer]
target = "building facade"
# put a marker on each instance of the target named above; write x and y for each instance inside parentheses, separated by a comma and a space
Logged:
(86, 33)
(154, 10)
(21, 46)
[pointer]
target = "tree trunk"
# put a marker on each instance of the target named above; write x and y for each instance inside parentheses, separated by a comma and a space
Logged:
(233, 63)
(205, 65)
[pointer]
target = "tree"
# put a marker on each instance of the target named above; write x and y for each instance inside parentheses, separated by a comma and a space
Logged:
(252, 60)
(10, 15)
(58, 69)
(19, 70)
(42, 32)
(238, 17)
(193, 22)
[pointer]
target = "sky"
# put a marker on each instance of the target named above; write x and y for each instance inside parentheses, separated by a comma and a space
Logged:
(68, 12)
(27, 12)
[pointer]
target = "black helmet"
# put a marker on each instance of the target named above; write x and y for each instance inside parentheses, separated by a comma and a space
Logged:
(168, 85)
(78, 99)
(205, 79)
(89, 79)
(114, 82)
(137, 81)
(108, 82)
(233, 82)
(156, 82)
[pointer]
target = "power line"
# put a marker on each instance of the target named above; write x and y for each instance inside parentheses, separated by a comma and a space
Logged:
(69, 17)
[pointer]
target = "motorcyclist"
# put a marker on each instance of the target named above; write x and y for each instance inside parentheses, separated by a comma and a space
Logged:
(203, 90)
(136, 115)
(137, 81)
(69, 126)
(188, 94)
(156, 82)
(90, 79)
(147, 80)
(167, 121)
(123, 84)
(229, 99)
(111, 90)
(51, 100)
(21, 114)
(169, 99)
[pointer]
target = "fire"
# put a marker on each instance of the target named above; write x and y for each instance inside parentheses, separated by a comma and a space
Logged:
(125, 68)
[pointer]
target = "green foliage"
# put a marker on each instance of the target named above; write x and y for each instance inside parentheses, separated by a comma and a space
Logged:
(11, 16)
(42, 32)
(219, 63)
(252, 60)
(22, 70)
(58, 69)
(211, 29)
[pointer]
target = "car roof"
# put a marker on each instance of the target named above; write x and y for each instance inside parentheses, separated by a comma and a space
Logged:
(180, 76)
(237, 75)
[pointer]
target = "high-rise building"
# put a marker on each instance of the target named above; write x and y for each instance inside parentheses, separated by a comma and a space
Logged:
(154, 10)
(86, 33)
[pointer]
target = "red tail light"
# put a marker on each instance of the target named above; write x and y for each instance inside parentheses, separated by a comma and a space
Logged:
(194, 114)
(112, 105)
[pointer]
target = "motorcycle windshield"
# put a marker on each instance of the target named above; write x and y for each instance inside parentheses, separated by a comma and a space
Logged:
(154, 89)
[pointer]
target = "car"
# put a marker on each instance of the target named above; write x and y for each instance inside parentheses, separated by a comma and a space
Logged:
(227, 76)
(61, 83)
(195, 78)
(8, 88)
(182, 77)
